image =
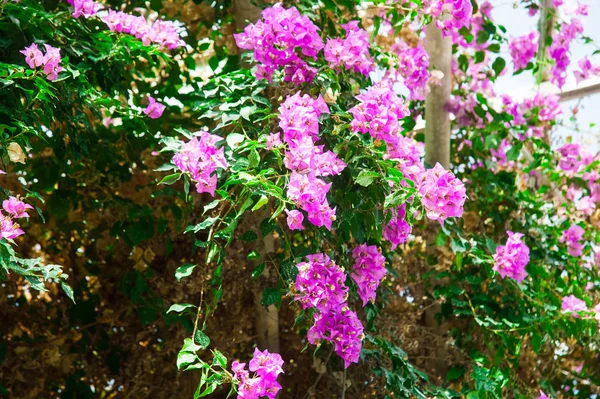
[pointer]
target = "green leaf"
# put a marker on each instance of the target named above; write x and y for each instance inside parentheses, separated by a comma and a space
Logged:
(180, 307)
(440, 239)
(233, 139)
(36, 283)
(498, 65)
(185, 358)
(190, 346)
(211, 205)
(68, 290)
(366, 177)
(491, 245)
(170, 179)
(201, 226)
(536, 342)
(254, 255)
(395, 199)
(245, 112)
(514, 152)
(258, 270)
(210, 389)
(184, 270)
(261, 202)
(458, 246)
(271, 296)
(201, 339)
(249, 236)
(455, 373)
(253, 159)
(220, 359)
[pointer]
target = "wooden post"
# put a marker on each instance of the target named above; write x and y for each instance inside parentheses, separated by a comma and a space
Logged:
(545, 27)
(437, 150)
(437, 122)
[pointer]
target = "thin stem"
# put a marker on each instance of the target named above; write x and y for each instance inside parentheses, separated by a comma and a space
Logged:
(314, 386)
(199, 311)
(344, 384)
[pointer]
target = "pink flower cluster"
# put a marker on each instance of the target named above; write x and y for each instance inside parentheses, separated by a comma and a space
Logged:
(499, 154)
(523, 49)
(163, 33)
(50, 61)
(547, 106)
(299, 121)
(408, 153)
(396, 231)
(368, 271)
(15, 209)
(572, 158)
(572, 304)
(477, 23)
(277, 41)
(341, 327)
(351, 53)
(586, 69)
(572, 237)
(459, 14)
(413, 63)
(154, 109)
(321, 284)
(200, 158)
(560, 48)
(87, 8)
(442, 194)
(378, 113)
(266, 367)
(510, 259)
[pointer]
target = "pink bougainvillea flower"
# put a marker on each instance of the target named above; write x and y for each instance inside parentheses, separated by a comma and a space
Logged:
(16, 207)
(511, 259)
(442, 194)
(87, 8)
(368, 270)
(352, 53)
(266, 366)
(280, 39)
(154, 109)
(265, 363)
(52, 62)
(163, 33)
(33, 56)
(8, 228)
(295, 219)
(523, 49)
(273, 140)
(396, 231)
(572, 304)
(542, 395)
(572, 237)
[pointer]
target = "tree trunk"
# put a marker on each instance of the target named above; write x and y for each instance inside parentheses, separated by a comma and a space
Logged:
(546, 25)
(437, 150)
(437, 123)
(267, 317)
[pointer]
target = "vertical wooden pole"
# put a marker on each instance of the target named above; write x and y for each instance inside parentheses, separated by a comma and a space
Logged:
(437, 122)
(437, 150)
